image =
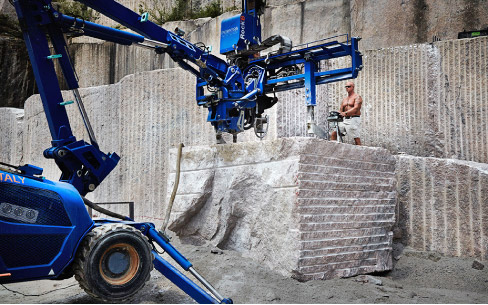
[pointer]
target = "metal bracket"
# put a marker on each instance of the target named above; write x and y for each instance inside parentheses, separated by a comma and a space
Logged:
(144, 17)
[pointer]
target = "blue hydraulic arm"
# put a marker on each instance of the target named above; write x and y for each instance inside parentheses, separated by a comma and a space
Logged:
(212, 68)
(82, 164)
(184, 283)
(227, 89)
(234, 92)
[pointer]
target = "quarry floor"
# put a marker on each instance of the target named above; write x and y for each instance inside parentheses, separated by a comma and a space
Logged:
(418, 277)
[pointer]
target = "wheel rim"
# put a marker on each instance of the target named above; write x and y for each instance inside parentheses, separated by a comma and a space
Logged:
(119, 264)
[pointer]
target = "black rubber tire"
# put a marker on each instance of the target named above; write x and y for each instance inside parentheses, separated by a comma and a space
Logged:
(93, 268)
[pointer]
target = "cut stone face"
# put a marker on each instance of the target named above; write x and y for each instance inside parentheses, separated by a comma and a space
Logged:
(308, 208)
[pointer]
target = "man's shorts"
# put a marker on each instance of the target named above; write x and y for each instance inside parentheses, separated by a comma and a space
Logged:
(351, 127)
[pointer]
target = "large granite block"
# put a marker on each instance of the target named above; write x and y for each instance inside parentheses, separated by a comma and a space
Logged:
(270, 201)
(442, 205)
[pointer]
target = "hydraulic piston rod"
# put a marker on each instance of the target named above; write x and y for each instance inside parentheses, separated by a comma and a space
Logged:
(84, 116)
(181, 281)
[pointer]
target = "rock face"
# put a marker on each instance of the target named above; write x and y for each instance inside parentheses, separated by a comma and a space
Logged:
(15, 72)
(425, 100)
(443, 205)
(139, 118)
(387, 23)
(7, 9)
(11, 123)
(380, 23)
(302, 206)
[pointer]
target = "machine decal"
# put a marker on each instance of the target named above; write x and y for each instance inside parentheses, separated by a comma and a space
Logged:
(11, 178)
(228, 31)
(243, 27)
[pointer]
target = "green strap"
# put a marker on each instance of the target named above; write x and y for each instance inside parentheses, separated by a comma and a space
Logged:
(66, 103)
(54, 56)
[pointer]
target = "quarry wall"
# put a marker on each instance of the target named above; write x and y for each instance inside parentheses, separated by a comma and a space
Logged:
(427, 100)
(382, 23)
(423, 99)
(144, 115)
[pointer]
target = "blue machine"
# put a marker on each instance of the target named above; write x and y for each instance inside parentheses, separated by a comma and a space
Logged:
(240, 31)
(45, 230)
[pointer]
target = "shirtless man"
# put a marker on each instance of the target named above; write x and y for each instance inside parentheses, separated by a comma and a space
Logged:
(351, 111)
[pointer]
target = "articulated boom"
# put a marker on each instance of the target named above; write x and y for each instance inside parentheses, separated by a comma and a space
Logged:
(236, 92)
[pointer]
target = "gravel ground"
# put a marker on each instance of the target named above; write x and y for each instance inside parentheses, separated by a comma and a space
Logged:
(418, 277)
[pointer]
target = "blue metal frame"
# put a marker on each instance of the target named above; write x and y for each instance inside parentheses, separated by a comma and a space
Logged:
(180, 280)
(81, 223)
(83, 164)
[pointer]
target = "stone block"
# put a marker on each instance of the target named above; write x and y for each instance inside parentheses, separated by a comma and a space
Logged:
(441, 205)
(252, 198)
(11, 129)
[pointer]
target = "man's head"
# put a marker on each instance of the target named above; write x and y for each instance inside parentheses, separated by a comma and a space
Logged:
(349, 87)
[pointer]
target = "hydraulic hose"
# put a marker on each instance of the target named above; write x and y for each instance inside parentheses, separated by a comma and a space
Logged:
(98, 208)
(175, 188)
(170, 204)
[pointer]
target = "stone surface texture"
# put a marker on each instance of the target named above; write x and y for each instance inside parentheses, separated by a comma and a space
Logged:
(139, 118)
(7, 9)
(299, 205)
(386, 23)
(426, 100)
(11, 129)
(442, 205)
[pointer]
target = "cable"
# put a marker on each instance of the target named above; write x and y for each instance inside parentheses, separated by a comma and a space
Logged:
(98, 208)
(201, 46)
(9, 165)
(10, 168)
(175, 188)
(38, 295)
